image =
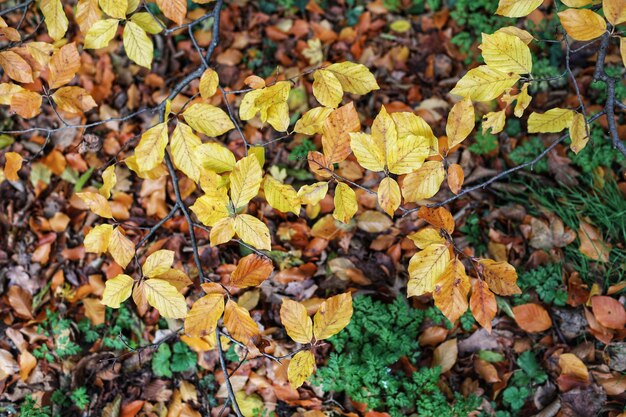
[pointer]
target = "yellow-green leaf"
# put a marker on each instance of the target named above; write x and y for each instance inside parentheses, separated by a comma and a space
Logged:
(312, 121)
(332, 316)
(484, 83)
(97, 240)
(150, 151)
(117, 290)
(296, 320)
(253, 231)
(495, 121)
(147, 22)
(184, 145)
(552, 121)
(245, 181)
(425, 267)
(204, 314)
(215, 157)
(400, 26)
(301, 367)
(165, 298)
(208, 119)
(281, 196)
(506, 53)
(582, 24)
(326, 88)
(517, 8)
(137, 44)
(109, 179)
(120, 247)
(461, 120)
(101, 33)
(354, 78)
(97, 204)
(55, 18)
(114, 8)
(389, 197)
(209, 83)
(423, 183)
(158, 263)
(345, 203)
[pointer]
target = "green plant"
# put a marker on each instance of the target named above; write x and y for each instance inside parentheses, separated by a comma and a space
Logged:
(474, 234)
(29, 409)
(483, 143)
(520, 384)
(167, 360)
(59, 330)
(362, 365)
(546, 281)
(301, 150)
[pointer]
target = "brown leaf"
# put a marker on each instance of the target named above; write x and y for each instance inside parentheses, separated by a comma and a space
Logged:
(445, 355)
(21, 301)
(451, 290)
(319, 164)
(486, 370)
(438, 217)
(175, 10)
(336, 132)
(532, 318)
(483, 304)
(500, 276)
(16, 67)
(26, 104)
(251, 271)
(609, 312)
(591, 243)
(455, 178)
(63, 65)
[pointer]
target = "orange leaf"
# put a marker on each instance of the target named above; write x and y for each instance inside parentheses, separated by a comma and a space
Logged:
(486, 370)
(483, 304)
(438, 217)
(445, 355)
(251, 271)
(239, 323)
(26, 104)
(532, 318)
(571, 365)
(455, 178)
(16, 67)
(319, 164)
(451, 290)
(336, 132)
(12, 166)
(609, 312)
(174, 9)
(500, 276)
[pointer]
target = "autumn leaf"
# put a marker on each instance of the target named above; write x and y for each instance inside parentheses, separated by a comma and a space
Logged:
(202, 319)
(532, 318)
(438, 217)
(424, 182)
(253, 231)
(239, 323)
(55, 18)
(64, 65)
(281, 196)
(483, 304)
(114, 8)
(425, 267)
(165, 298)
(297, 322)
(500, 277)
(582, 24)
(484, 83)
(101, 33)
(245, 181)
(456, 176)
(209, 81)
(552, 121)
(354, 78)
(137, 44)
(506, 53)
(16, 67)
(121, 248)
(517, 8)
(312, 121)
(12, 165)
(336, 132)
(451, 290)
(150, 151)
(346, 205)
(96, 203)
(117, 290)
(301, 367)
(222, 231)
(332, 316)
(97, 240)
(314, 193)
(327, 88)
(426, 237)
(445, 355)
(251, 271)
(208, 119)
(461, 120)
(578, 133)
(215, 157)
(158, 263)
(73, 99)
(173, 9)
(389, 197)
(184, 144)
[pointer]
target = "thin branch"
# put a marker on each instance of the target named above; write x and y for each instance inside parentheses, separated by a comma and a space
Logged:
(229, 386)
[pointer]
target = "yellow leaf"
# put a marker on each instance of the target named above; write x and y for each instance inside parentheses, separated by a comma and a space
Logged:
(153, 174)
(552, 121)
(63, 65)
(249, 405)
(184, 145)
(150, 151)
(209, 83)
(137, 44)
(614, 11)
(26, 104)
(312, 121)
(506, 53)
(461, 120)
(97, 204)
(622, 49)
(147, 22)
(132, 6)
(389, 197)
(281, 196)
(165, 298)
(423, 183)
(211, 208)
(407, 123)
(336, 132)
(326, 88)
(425, 267)
(410, 152)
(208, 119)
(6, 92)
(301, 367)
(55, 18)
(114, 8)
(271, 102)
(426, 237)
(239, 323)
(523, 101)
(175, 277)
(451, 291)
(120, 247)
(370, 153)
(484, 83)
(500, 276)
(251, 271)
(245, 181)
(572, 366)
(332, 316)
(248, 107)
(445, 355)
(101, 33)
(204, 314)
(215, 157)
(523, 35)
(253, 231)
(314, 193)
(73, 99)
(117, 290)
(345, 203)
(354, 78)
(400, 26)
(41, 52)
(12, 165)
(109, 179)
(296, 320)
(494, 120)
(578, 133)
(578, 3)
(16, 67)
(483, 304)
(582, 24)
(174, 9)
(87, 14)
(517, 8)
(222, 231)
(158, 263)
(97, 240)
